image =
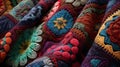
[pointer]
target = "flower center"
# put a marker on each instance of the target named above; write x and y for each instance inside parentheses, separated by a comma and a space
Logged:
(24, 46)
(60, 23)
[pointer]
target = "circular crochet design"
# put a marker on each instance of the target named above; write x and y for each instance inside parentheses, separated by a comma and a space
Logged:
(111, 33)
(25, 48)
(61, 22)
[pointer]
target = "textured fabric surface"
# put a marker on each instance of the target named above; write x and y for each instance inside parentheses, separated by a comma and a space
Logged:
(28, 21)
(60, 33)
(105, 51)
(82, 34)
(9, 20)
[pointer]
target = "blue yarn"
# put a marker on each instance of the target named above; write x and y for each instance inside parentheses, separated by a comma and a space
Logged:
(66, 15)
(36, 64)
(33, 16)
(95, 62)
(110, 4)
(5, 24)
(107, 39)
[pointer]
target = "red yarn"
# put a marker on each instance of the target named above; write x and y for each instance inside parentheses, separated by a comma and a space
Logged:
(74, 50)
(66, 56)
(67, 38)
(65, 41)
(74, 41)
(68, 35)
(54, 46)
(66, 48)
(58, 48)
(49, 50)
(57, 53)
(73, 57)
(114, 32)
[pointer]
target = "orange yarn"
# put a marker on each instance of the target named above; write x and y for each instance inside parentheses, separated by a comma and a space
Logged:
(2, 55)
(8, 6)
(8, 40)
(6, 47)
(8, 34)
(1, 42)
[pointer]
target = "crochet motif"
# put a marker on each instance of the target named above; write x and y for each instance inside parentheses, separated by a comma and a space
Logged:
(21, 9)
(68, 14)
(66, 50)
(61, 36)
(105, 51)
(108, 45)
(62, 21)
(108, 38)
(27, 46)
(10, 19)
(28, 21)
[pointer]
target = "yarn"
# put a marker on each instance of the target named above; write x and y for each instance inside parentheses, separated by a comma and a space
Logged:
(2, 7)
(105, 48)
(9, 20)
(26, 22)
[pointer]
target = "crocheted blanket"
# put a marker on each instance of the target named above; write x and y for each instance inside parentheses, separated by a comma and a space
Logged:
(60, 33)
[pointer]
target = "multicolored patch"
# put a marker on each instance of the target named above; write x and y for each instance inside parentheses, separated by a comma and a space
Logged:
(61, 22)
(25, 48)
(105, 38)
(21, 9)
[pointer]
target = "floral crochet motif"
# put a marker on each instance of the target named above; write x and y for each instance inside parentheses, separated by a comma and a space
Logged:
(60, 23)
(25, 48)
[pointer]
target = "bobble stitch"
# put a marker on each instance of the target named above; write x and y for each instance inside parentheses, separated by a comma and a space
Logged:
(73, 57)
(74, 41)
(74, 50)
(66, 55)
(8, 34)
(6, 47)
(66, 48)
(8, 40)
(57, 53)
